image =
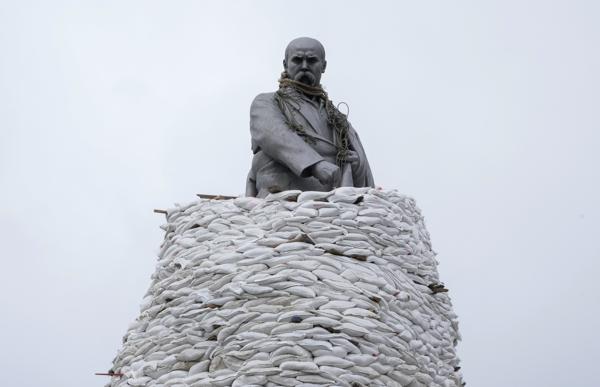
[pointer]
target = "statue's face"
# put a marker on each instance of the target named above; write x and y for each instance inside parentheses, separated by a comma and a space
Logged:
(305, 62)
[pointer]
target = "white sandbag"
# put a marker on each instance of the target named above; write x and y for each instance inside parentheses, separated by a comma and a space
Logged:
(298, 289)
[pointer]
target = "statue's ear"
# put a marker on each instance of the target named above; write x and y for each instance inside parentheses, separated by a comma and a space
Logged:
(284, 64)
(324, 66)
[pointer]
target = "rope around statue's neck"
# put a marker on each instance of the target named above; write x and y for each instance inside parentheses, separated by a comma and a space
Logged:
(336, 120)
(315, 91)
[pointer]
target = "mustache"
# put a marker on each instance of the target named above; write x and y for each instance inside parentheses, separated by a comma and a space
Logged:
(305, 75)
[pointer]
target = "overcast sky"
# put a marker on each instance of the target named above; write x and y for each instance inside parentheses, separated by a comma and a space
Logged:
(487, 112)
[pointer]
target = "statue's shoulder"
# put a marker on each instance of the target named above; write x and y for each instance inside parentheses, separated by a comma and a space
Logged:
(264, 97)
(263, 101)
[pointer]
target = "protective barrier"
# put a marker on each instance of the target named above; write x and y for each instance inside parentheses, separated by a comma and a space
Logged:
(299, 289)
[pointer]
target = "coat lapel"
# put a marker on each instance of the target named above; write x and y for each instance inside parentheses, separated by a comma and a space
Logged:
(310, 118)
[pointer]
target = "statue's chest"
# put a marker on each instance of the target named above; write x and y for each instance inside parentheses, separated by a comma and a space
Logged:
(315, 117)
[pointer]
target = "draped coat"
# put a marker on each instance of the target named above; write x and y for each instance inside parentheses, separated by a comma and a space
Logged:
(282, 158)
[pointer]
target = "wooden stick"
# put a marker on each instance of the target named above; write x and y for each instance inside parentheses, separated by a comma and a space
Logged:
(437, 288)
(201, 196)
(109, 374)
(215, 197)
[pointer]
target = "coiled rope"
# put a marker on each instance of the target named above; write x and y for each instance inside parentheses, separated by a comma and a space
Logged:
(336, 120)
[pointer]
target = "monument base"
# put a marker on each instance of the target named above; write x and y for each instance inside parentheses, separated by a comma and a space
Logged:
(306, 289)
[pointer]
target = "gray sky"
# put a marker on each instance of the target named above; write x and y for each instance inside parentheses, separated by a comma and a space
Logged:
(486, 112)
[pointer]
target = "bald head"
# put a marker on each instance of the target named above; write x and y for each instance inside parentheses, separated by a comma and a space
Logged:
(305, 43)
(305, 60)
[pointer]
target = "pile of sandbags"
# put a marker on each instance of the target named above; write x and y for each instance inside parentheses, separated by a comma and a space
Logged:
(298, 289)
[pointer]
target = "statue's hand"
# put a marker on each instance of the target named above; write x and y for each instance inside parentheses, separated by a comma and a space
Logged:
(327, 173)
(352, 157)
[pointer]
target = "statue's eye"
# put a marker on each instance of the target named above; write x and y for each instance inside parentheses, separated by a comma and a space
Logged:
(313, 60)
(296, 59)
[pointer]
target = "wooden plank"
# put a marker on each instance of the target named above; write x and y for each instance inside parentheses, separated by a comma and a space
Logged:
(109, 374)
(215, 197)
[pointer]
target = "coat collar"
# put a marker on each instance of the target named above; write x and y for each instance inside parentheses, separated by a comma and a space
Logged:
(304, 103)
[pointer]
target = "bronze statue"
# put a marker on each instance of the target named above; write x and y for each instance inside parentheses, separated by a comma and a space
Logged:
(300, 139)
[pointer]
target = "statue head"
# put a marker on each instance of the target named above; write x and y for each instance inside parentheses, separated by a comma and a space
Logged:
(305, 61)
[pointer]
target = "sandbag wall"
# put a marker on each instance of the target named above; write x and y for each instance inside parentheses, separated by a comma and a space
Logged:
(298, 289)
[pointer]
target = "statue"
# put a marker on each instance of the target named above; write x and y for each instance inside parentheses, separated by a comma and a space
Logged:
(300, 139)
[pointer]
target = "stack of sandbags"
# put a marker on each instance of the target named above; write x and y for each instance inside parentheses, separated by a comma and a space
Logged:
(298, 289)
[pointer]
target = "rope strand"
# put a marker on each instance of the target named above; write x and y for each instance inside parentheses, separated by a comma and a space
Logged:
(336, 120)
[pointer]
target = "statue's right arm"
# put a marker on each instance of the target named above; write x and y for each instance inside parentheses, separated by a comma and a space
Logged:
(271, 134)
